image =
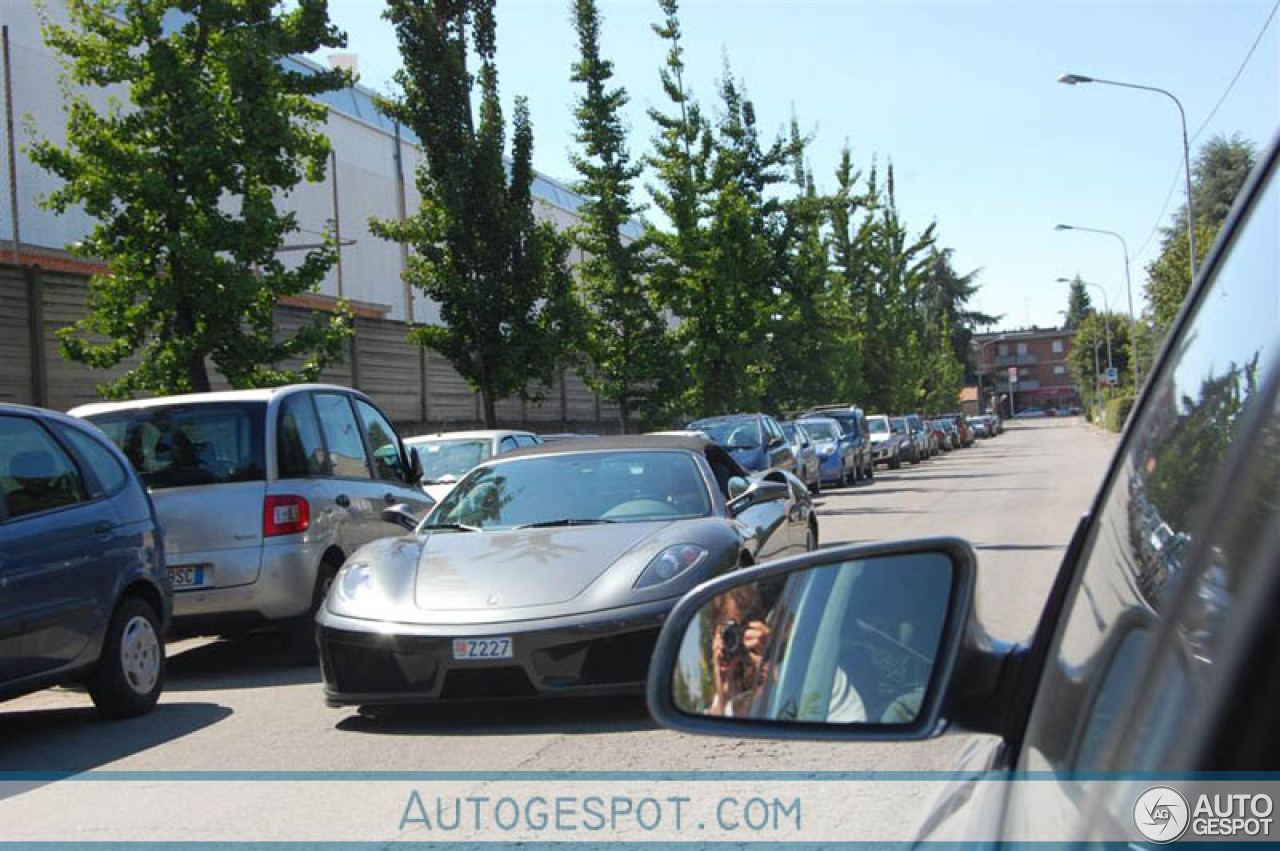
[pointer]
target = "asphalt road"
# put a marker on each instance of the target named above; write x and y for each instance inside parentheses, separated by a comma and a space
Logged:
(238, 705)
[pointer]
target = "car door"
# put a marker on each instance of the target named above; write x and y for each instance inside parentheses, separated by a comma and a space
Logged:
(777, 446)
(1148, 651)
(392, 470)
(358, 498)
(54, 544)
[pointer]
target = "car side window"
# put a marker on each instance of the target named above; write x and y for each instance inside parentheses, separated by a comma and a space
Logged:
(523, 440)
(507, 444)
(1153, 532)
(36, 474)
(299, 447)
(388, 460)
(342, 434)
(106, 469)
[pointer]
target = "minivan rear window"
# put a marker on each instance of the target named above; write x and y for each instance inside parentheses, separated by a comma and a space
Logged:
(174, 446)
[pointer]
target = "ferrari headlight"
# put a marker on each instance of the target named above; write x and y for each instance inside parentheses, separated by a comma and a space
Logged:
(670, 563)
(355, 583)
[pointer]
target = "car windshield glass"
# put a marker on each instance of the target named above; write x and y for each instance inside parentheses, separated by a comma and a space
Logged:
(877, 425)
(790, 431)
(622, 487)
(180, 445)
(819, 430)
(733, 434)
(442, 458)
(899, 426)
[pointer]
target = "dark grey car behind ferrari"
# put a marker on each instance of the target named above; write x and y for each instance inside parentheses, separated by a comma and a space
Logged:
(549, 571)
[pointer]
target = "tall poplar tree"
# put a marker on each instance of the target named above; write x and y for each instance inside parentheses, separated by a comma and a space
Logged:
(627, 338)
(500, 276)
(183, 185)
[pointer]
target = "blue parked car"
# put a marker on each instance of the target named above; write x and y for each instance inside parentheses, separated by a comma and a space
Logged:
(755, 441)
(837, 461)
(83, 593)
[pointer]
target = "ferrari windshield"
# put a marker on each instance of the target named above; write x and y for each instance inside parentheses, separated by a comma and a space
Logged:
(578, 488)
(444, 458)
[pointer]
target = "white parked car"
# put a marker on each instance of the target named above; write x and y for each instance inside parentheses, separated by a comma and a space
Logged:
(448, 456)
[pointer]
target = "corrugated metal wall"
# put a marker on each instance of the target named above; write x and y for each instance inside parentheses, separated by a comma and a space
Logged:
(382, 363)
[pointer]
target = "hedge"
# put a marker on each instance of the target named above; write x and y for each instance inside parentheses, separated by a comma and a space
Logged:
(1118, 412)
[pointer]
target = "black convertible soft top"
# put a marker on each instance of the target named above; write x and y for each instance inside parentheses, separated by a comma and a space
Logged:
(617, 443)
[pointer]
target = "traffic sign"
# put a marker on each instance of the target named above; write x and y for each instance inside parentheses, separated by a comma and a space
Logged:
(1013, 375)
(1113, 375)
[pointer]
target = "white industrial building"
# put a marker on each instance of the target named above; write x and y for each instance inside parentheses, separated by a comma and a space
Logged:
(371, 175)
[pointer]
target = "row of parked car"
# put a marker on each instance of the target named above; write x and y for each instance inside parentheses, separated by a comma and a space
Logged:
(122, 524)
(219, 513)
(839, 445)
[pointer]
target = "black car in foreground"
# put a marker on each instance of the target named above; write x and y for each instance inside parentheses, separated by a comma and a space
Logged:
(84, 598)
(1156, 650)
(548, 571)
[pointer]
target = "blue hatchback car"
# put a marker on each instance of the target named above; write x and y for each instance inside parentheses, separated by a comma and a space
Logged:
(755, 441)
(83, 593)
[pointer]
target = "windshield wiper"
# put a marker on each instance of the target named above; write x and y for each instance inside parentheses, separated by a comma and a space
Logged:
(566, 521)
(456, 527)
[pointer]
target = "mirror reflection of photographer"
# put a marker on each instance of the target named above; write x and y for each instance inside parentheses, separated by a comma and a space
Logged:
(739, 644)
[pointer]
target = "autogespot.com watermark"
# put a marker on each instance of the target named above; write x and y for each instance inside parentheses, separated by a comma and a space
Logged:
(605, 814)
(1163, 814)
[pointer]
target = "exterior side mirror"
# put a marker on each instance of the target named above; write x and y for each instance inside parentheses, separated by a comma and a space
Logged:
(415, 465)
(400, 515)
(775, 442)
(852, 643)
(760, 490)
(738, 486)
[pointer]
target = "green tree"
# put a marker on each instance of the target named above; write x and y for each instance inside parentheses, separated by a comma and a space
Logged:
(1169, 275)
(945, 295)
(499, 275)
(182, 184)
(849, 241)
(1091, 336)
(1079, 305)
(627, 337)
(731, 355)
(681, 152)
(811, 314)
(1221, 168)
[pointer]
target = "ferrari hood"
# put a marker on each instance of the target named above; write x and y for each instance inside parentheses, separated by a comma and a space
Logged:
(480, 571)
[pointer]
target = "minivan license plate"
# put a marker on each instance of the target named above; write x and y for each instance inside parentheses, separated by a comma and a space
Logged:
(481, 648)
(188, 576)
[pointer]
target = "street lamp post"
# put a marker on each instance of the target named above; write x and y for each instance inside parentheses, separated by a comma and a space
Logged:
(1128, 288)
(1074, 79)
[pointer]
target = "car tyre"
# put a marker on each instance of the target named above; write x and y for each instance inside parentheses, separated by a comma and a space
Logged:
(810, 539)
(871, 471)
(130, 673)
(896, 463)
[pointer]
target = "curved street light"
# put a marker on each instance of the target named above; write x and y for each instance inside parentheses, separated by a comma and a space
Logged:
(1128, 286)
(1078, 79)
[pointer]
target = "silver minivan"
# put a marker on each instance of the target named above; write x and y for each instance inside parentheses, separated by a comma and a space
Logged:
(262, 494)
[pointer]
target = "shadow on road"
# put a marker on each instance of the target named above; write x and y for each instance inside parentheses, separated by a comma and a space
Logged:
(828, 512)
(1014, 547)
(79, 739)
(513, 718)
(256, 661)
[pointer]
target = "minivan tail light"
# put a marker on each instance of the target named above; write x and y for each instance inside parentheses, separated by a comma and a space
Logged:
(285, 515)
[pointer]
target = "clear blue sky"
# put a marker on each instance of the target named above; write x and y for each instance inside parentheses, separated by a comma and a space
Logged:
(961, 95)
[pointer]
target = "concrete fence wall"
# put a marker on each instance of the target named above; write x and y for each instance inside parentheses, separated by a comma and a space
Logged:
(418, 389)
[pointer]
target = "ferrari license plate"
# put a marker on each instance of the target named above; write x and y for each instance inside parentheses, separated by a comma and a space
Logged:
(481, 648)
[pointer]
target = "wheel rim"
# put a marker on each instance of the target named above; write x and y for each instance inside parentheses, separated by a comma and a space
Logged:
(140, 655)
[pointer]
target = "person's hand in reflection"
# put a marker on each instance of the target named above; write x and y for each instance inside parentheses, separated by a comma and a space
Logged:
(740, 646)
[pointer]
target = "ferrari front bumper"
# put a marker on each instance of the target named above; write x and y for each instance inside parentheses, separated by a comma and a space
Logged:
(372, 663)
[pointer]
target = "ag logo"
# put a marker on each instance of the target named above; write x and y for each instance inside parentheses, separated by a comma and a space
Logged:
(1161, 814)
